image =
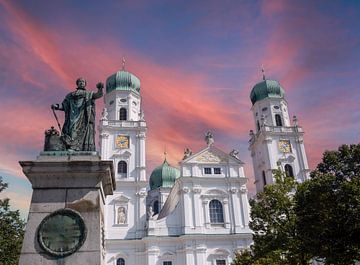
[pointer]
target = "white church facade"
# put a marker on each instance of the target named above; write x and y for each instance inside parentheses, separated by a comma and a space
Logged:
(197, 214)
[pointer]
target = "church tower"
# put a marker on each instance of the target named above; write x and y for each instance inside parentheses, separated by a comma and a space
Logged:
(122, 140)
(276, 141)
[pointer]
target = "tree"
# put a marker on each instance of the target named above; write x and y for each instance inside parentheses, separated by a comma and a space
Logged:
(273, 222)
(328, 208)
(11, 231)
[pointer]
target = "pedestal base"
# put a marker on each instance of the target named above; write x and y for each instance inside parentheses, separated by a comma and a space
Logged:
(78, 182)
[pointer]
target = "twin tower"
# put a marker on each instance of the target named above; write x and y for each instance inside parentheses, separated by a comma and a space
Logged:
(276, 142)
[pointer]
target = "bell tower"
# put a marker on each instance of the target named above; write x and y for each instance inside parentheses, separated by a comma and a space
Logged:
(122, 140)
(276, 141)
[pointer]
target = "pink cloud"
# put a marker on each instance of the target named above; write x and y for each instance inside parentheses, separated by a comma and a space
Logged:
(181, 96)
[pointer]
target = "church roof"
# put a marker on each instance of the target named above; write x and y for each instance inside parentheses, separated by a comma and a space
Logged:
(164, 176)
(123, 80)
(266, 89)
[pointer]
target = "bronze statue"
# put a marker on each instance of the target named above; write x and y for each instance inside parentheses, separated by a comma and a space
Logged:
(78, 132)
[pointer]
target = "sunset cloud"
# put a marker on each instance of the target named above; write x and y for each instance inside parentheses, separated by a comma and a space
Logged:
(197, 65)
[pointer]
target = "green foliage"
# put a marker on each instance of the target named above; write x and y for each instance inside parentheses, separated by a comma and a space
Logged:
(11, 232)
(273, 223)
(328, 208)
(344, 163)
(247, 258)
(243, 258)
(317, 219)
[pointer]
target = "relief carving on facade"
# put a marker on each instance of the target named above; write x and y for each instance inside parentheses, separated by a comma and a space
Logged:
(210, 157)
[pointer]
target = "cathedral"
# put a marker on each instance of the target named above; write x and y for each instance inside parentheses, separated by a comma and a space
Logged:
(197, 213)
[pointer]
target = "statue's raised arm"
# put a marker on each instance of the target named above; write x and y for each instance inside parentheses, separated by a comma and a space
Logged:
(99, 93)
(78, 131)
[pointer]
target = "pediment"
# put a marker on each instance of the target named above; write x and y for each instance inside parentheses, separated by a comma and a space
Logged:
(211, 155)
(167, 254)
(120, 199)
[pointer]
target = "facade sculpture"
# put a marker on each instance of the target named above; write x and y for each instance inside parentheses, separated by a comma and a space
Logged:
(78, 132)
(121, 218)
(209, 138)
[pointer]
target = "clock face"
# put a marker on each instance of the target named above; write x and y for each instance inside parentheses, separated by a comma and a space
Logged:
(285, 146)
(122, 141)
(62, 233)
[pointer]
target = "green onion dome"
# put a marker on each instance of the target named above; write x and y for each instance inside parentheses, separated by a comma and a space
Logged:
(123, 80)
(164, 176)
(266, 89)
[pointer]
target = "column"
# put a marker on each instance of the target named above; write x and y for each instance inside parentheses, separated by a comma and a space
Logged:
(189, 214)
(206, 213)
(197, 211)
(225, 203)
(142, 159)
(153, 254)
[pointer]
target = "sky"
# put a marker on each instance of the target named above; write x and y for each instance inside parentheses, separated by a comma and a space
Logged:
(197, 62)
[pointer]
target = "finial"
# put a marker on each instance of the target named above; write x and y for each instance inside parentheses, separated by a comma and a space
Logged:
(165, 153)
(263, 71)
(123, 63)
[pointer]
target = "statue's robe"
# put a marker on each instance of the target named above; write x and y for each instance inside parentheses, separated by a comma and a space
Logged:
(78, 132)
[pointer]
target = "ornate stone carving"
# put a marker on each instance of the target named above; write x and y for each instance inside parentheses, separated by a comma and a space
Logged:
(104, 115)
(235, 153)
(141, 135)
(197, 189)
(142, 193)
(210, 157)
(141, 115)
(187, 153)
(185, 190)
(243, 189)
(209, 138)
(121, 215)
(233, 190)
(104, 135)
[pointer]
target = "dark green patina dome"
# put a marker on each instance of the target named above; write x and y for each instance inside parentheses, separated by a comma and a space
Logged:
(266, 89)
(123, 80)
(164, 176)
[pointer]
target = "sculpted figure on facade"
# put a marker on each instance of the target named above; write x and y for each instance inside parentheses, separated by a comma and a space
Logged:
(150, 213)
(235, 153)
(78, 132)
(104, 114)
(187, 153)
(121, 216)
(209, 138)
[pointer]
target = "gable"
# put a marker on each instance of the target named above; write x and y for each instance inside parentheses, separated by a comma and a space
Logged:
(211, 155)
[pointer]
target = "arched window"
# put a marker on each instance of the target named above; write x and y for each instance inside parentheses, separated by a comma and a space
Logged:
(156, 207)
(264, 178)
(123, 114)
(278, 120)
(258, 125)
(120, 261)
(122, 168)
(216, 212)
(289, 170)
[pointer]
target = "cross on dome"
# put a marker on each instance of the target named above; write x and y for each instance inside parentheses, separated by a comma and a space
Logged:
(123, 63)
(263, 71)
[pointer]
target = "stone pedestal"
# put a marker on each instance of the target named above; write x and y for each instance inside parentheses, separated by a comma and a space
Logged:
(77, 181)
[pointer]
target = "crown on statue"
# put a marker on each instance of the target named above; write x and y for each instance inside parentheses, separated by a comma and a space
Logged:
(52, 131)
